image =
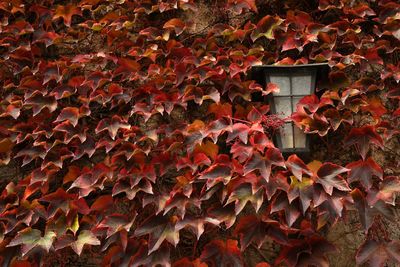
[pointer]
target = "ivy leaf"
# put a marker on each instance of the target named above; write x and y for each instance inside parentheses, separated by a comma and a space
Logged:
(378, 253)
(217, 172)
(243, 194)
(220, 110)
(115, 223)
(85, 237)
(388, 189)
(186, 262)
(263, 164)
(39, 102)
(143, 257)
(375, 107)
(176, 24)
(266, 27)
(112, 126)
(328, 177)
(66, 12)
(297, 167)
(222, 253)
(195, 224)
(240, 130)
(281, 203)
(239, 5)
(303, 190)
(30, 238)
(363, 171)
(252, 229)
(72, 114)
(306, 252)
(159, 228)
(368, 212)
(362, 138)
(224, 214)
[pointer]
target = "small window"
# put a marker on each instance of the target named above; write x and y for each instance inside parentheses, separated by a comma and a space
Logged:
(295, 82)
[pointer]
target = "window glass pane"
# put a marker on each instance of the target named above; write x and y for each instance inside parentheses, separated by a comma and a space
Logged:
(286, 135)
(296, 100)
(301, 84)
(283, 82)
(283, 106)
(299, 138)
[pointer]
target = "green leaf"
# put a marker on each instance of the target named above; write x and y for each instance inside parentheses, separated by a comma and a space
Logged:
(86, 237)
(31, 238)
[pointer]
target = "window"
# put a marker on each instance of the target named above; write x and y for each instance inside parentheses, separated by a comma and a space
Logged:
(294, 82)
(294, 85)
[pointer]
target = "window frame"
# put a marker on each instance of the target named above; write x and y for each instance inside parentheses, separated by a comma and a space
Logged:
(290, 73)
(262, 75)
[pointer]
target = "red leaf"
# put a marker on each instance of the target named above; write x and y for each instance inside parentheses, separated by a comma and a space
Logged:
(220, 110)
(222, 253)
(297, 167)
(159, 228)
(281, 203)
(39, 102)
(66, 12)
(328, 177)
(378, 253)
(176, 24)
(30, 238)
(252, 229)
(243, 194)
(362, 138)
(114, 223)
(307, 252)
(375, 107)
(239, 130)
(388, 189)
(72, 114)
(263, 164)
(112, 126)
(186, 262)
(239, 5)
(85, 237)
(363, 171)
(195, 224)
(218, 172)
(266, 27)
(368, 212)
(102, 203)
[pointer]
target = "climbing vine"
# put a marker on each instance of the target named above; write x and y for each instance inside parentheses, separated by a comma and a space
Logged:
(135, 133)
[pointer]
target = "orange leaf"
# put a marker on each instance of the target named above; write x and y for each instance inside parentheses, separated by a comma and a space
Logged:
(66, 12)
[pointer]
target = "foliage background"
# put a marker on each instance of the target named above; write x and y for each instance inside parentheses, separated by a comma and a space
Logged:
(129, 127)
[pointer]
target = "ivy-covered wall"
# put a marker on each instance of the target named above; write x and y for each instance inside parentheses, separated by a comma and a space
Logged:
(131, 134)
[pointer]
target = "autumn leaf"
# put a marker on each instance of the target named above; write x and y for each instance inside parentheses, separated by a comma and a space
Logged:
(362, 138)
(176, 24)
(66, 12)
(159, 228)
(30, 238)
(297, 167)
(243, 194)
(112, 126)
(363, 171)
(252, 229)
(85, 237)
(264, 164)
(328, 177)
(239, 5)
(266, 27)
(221, 252)
(378, 253)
